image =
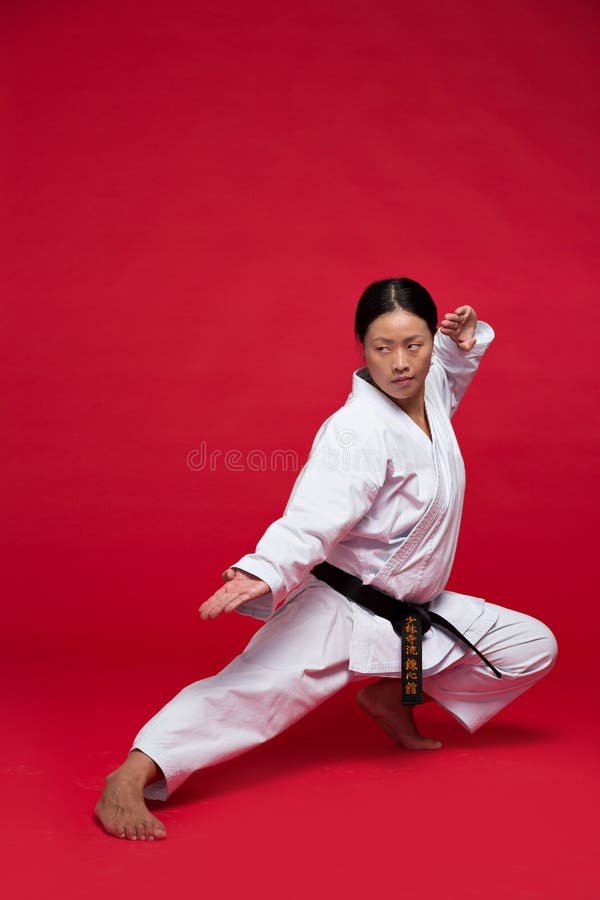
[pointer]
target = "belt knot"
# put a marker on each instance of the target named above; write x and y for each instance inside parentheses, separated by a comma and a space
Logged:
(409, 620)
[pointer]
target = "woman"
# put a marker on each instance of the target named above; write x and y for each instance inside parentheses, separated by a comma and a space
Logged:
(375, 512)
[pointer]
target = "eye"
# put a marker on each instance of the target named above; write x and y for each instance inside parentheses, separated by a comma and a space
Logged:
(414, 346)
(382, 348)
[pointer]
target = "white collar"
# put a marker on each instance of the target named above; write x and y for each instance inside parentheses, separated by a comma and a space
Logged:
(364, 389)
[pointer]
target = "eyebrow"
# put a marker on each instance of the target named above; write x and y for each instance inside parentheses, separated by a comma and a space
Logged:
(384, 340)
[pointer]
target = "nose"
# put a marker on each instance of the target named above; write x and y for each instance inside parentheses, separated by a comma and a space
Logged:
(399, 363)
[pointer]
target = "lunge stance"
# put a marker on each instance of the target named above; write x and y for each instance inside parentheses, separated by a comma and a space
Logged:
(361, 557)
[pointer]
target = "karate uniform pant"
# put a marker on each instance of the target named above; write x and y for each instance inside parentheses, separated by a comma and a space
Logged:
(299, 658)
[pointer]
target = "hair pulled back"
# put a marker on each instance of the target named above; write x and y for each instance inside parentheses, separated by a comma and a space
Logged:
(391, 294)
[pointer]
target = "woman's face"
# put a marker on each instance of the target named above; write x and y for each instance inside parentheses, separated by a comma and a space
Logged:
(397, 348)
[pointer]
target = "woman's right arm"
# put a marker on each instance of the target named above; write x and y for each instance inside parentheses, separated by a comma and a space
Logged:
(240, 587)
(335, 489)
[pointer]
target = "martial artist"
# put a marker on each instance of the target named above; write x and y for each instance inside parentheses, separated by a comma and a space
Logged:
(363, 551)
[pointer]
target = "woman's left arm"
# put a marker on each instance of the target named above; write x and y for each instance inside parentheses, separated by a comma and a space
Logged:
(459, 344)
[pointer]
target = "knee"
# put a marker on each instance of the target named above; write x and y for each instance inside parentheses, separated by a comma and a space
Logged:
(544, 650)
(532, 650)
(551, 649)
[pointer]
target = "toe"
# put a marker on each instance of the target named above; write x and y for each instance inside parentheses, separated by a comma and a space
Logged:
(427, 744)
(160, 832)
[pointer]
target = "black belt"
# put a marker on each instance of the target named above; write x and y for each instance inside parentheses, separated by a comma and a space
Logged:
(410, 621)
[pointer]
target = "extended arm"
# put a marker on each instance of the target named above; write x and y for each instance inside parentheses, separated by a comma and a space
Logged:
(335, 489)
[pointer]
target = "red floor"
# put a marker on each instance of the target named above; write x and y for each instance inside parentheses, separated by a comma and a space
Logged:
(329, 808)
(196, 195)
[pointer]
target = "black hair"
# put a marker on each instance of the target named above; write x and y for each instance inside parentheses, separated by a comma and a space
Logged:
(390, 294)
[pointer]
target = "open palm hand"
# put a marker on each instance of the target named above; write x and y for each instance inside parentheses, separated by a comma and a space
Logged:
(239, 587)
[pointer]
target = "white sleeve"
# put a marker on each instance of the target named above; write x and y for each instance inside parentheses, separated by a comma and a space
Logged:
(337, 486)
(454, 367)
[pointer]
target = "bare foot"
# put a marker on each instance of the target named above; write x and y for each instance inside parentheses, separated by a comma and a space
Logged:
(383, 701)
(122, 809)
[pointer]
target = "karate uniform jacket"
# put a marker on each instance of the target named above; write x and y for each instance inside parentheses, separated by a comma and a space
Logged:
(380, 500)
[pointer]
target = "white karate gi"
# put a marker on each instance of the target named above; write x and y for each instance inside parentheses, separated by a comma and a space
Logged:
(380, 500)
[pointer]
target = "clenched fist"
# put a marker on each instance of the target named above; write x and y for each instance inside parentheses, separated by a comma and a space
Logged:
(460, 326)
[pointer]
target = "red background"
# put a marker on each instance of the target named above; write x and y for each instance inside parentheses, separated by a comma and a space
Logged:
(196, 194)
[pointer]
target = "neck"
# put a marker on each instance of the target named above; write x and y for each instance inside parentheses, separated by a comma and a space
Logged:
(413, 406)
(415, 410)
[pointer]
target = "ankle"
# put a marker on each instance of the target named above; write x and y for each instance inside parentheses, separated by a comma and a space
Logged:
(137, 769)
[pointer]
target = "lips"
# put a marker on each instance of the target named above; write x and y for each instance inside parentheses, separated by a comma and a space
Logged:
(401, 380)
